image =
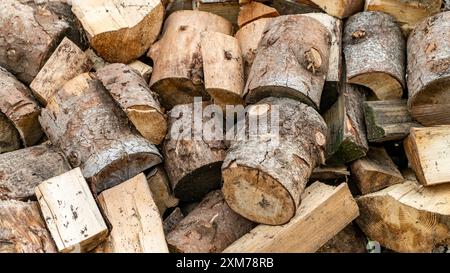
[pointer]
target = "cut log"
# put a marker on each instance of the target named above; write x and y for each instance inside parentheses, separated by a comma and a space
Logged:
(253, 11)
(160, 188)
(85, 123)
(407, 217)
(177, 62)
(429, 71)
(407, 13)
(340, 8)
(210, 227)
(260, 182)
(9, 136)
(332, 85)
(222, 68)
(192, 161)
(172, 220)
(428, 151)
(70, 211)
(144, 69)
(374, 51)
(22, 170)
(324, 212)
(136, 224)
(28, 38)
(376, 171)
(130, 91)
(346, 131)
(348, 240)
(67, 62)
(97, 62)
(22, 230)
(20, 107)
(286, 50)
(114, 25)
(287, 7)
(333, 174)
(248, 38)
(228, 9)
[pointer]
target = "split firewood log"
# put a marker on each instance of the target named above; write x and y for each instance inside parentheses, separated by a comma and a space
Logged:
(91, 130)
(228, 9)
(253, 11)
(160, 187)
(374, 50)
(348, 240)
(144, 69)
(285, 50)
(287, 7)
(429, 71)
(29, 36)
(260, 182)
(97, 61)
(210, 227)
(9, 136)
(118, 30)
(172, 220)
(340, 8)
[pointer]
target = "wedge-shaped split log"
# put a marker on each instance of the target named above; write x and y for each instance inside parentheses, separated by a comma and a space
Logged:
(374, 50)
(253, 11)
(92, 131)
(324, 212)
(70, 211)
(340, 8)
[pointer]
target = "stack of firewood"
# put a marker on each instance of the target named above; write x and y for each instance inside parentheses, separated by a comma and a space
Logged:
(115, 125)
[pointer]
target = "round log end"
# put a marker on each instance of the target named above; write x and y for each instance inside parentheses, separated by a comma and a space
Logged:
(257, 196)
(153, 131)
(259, 93)
(224, 97)
(383, 85)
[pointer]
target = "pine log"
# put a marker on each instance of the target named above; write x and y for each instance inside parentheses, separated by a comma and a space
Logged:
(160, 187)
(222, 68)
(340, 8)
(192, 160)
(70, 212)
(387, 120)
(9, 136)
(348, 240)
(177, 62)
(172, 220)
(407, 217)
(407, 13)
(144, 69)
(85, 123)
(286, 50)
(376, 171)
(374, 50)
(248, 38)
(22, 170)
(28, 37)
(253, 11)
(66, 62)
(20, 107)
(114, 25)
(136, 223)
(429, 71)
(260, 182)
(22, 230)
(428, 153)
(346, 131)
(130, 91)
(210, 227)
(324, 212)
(97, 61)
(228, 9)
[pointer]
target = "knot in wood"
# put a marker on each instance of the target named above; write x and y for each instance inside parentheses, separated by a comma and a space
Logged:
(227, 54)
(74, 159)
(313, 60)
(358, 34)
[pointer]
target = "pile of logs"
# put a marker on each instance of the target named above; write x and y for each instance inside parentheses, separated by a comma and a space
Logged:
(127, 127)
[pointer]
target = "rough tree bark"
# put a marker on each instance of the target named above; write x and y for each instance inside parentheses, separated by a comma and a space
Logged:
(262, 183)
(27, 38)
(210, 227)
(178, 71)
(130, 91)
(92, 131)
(429, 70)
(22, 170)
(20, 107)
(374, 50)
(290, 63)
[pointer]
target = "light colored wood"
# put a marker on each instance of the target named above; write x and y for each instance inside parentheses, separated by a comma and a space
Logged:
(144, 69)
(228, 9)
(253, 11)
(120, 30)
(376, 171)
(22, 230)
(70, 211)
(407, 217)
(428, 152)
(223, 70)
(340, 8)
(160, 187)
(66, 62)
(136, 223)
(324, 212)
